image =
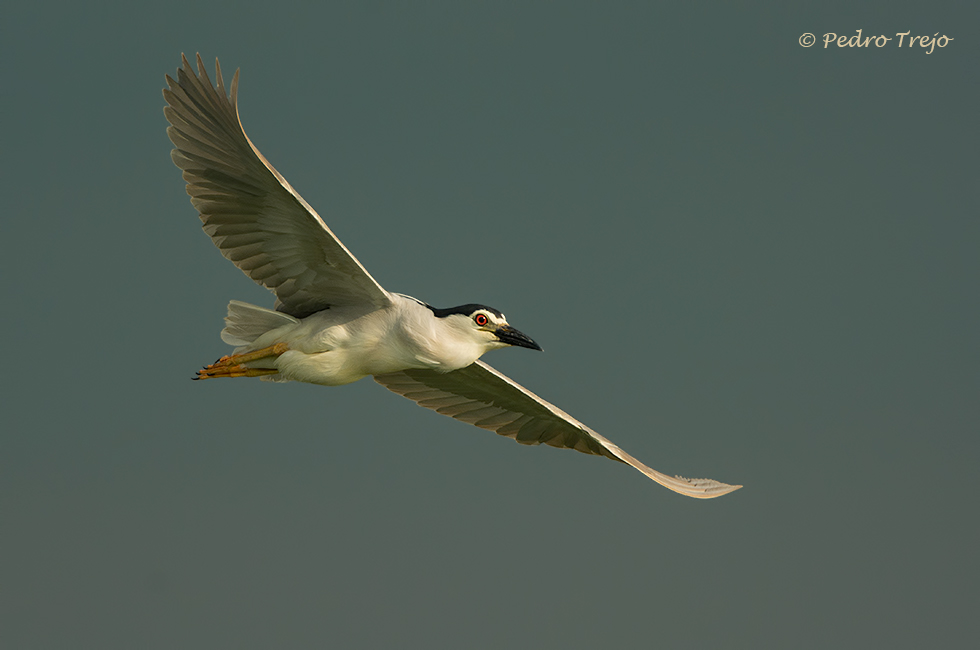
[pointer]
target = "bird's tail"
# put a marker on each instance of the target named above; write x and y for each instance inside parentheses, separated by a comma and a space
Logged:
(245, 323)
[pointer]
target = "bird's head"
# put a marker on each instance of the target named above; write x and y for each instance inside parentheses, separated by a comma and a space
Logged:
(485, 325)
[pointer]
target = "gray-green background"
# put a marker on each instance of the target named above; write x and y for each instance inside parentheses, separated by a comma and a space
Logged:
(744, 259)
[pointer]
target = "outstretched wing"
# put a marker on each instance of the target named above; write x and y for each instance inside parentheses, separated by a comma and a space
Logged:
(252, 214)
(481, 396)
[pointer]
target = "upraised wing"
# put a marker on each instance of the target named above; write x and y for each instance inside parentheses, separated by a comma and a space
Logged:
(481, 396)
(252, 214)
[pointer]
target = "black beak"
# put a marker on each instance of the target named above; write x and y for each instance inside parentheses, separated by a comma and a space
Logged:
(511, 336)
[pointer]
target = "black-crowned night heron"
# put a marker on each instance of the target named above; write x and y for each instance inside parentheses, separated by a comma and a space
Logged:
(333, 323)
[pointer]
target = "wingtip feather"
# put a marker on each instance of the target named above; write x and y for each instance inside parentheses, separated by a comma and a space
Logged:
(701, 488)
(234, 91)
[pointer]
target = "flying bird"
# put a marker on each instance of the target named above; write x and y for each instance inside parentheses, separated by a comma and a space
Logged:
(333, 323)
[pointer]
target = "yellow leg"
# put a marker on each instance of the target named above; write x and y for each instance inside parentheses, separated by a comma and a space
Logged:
(235, 359)
(233, 365)
(233, 371)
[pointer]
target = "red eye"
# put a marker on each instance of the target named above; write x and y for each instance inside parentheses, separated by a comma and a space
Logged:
(481, 319)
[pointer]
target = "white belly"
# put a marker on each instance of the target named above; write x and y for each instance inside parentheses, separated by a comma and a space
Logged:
(337, 367)
(332, 368)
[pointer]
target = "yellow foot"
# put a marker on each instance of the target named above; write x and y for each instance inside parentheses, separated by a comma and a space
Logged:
(233, 365)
